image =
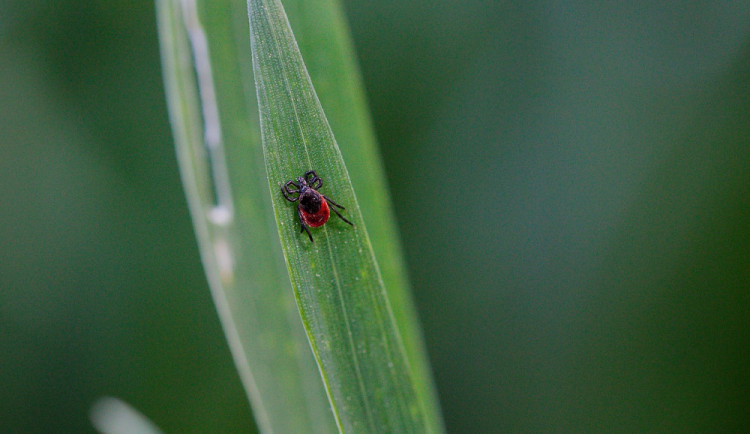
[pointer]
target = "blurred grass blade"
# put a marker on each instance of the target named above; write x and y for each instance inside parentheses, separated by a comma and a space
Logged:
(111, 415)
(207, 74)
(339, 290)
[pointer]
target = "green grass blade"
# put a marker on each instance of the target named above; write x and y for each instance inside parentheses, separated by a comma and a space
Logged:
(323, 36)
(210, 93)
(340, 293)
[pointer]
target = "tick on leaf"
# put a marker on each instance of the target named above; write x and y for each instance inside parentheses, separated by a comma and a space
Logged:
(313, 209)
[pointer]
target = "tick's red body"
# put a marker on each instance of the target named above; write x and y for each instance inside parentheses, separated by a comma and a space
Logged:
(313, 210)
(317, 218)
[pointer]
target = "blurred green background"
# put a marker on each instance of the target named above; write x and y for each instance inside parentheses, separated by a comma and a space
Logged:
(571, 179)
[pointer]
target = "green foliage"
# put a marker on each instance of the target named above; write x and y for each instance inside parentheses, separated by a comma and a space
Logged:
(218, 147)
(371, 360)
(591, 276)
(343, 302)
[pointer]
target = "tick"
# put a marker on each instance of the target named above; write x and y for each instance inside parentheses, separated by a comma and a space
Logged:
(313, 210)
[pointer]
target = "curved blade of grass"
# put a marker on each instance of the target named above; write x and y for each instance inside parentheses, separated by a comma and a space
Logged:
(340, 293)
(207, 74)
(323, 36)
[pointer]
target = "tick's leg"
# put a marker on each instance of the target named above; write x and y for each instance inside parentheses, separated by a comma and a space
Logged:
(286, 192)
(304, 226)
(313, 180)
(294, 184)
(338, 213)
(332, 202)
(311, 172)
(286, 196)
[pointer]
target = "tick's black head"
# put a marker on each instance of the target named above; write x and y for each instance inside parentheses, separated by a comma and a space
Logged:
(310, 200)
